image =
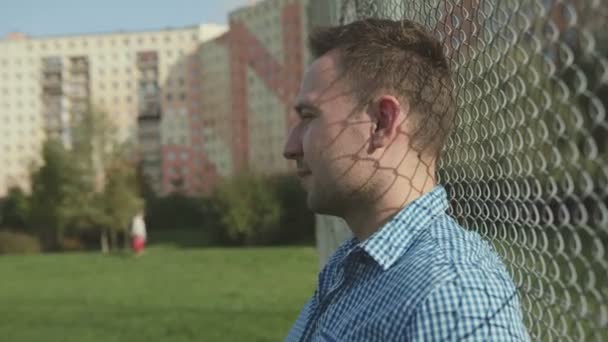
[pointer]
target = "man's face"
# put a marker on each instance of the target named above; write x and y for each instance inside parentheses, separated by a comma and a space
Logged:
(330, 139)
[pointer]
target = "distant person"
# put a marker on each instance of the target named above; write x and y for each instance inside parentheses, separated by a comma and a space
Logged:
(375, 109)
(138, 234)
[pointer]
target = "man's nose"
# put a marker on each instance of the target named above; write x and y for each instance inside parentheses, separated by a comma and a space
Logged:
(293, 147)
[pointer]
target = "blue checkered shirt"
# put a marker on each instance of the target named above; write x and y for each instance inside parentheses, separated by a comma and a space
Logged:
(421, 277)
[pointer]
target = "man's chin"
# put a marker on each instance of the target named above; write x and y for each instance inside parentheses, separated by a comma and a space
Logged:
(317, 206)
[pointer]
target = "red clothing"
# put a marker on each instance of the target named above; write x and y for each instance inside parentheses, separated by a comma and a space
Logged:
(138, 243)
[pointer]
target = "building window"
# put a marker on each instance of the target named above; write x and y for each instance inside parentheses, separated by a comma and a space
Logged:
(182, 96)
(169, 97)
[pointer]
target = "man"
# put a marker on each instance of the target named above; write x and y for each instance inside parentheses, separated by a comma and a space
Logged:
(375, 109)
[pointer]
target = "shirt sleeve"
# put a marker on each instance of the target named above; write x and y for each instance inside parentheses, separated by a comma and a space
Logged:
(475, 305)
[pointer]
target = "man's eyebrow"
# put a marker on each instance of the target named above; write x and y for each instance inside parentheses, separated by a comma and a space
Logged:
(302, 106)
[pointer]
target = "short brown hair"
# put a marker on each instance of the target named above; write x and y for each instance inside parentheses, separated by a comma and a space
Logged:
(399, 56)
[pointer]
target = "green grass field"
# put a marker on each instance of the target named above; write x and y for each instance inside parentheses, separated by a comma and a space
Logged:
(168, 294)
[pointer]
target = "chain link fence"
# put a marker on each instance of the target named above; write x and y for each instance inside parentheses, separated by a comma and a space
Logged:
(527, 166)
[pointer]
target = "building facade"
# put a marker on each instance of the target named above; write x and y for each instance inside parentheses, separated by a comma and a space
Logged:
(216, 97)
(267, 59)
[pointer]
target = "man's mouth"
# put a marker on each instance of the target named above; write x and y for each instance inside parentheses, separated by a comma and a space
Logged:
(303, 173)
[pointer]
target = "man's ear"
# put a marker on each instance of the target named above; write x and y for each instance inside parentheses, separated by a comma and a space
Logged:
(386, 117)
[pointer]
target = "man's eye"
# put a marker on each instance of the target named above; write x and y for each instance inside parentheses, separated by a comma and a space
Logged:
(307, 116)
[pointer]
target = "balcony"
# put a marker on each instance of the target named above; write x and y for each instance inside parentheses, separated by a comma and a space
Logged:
(79, 93)
(79, 79)
(151, 155)
(53, 108)
(147, 59)
(52, 64)
(150, 110)
(79, 107)
(53, 124)
(148, 91)
(79, 67)
(51, 100)
(52, 90)
(53, 83)
(148, 75)
(51, 80)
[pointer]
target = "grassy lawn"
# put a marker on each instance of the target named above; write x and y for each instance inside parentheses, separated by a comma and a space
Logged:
(169, 294)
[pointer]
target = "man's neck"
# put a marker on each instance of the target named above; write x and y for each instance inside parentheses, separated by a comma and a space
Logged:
(365, 219)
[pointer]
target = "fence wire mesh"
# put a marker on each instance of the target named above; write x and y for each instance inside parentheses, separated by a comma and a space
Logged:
(527, 165)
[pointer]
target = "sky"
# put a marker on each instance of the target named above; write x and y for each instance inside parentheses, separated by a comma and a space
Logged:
(63, 17)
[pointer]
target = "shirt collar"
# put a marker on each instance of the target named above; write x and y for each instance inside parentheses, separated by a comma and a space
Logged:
(394, 238)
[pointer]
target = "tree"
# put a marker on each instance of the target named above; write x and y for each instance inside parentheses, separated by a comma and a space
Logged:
(57, 189)
(94, 145)
(90, 186)
(121, 199)
(111, 199)
(15, 210)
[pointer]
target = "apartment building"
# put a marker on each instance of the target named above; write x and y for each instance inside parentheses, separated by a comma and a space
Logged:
(140, 79)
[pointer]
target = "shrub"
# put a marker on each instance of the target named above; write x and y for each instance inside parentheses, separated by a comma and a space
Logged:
(173, 211)
(297, 223)
(264, 210)
(18, 243)
(249, 210)
(71, 244)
